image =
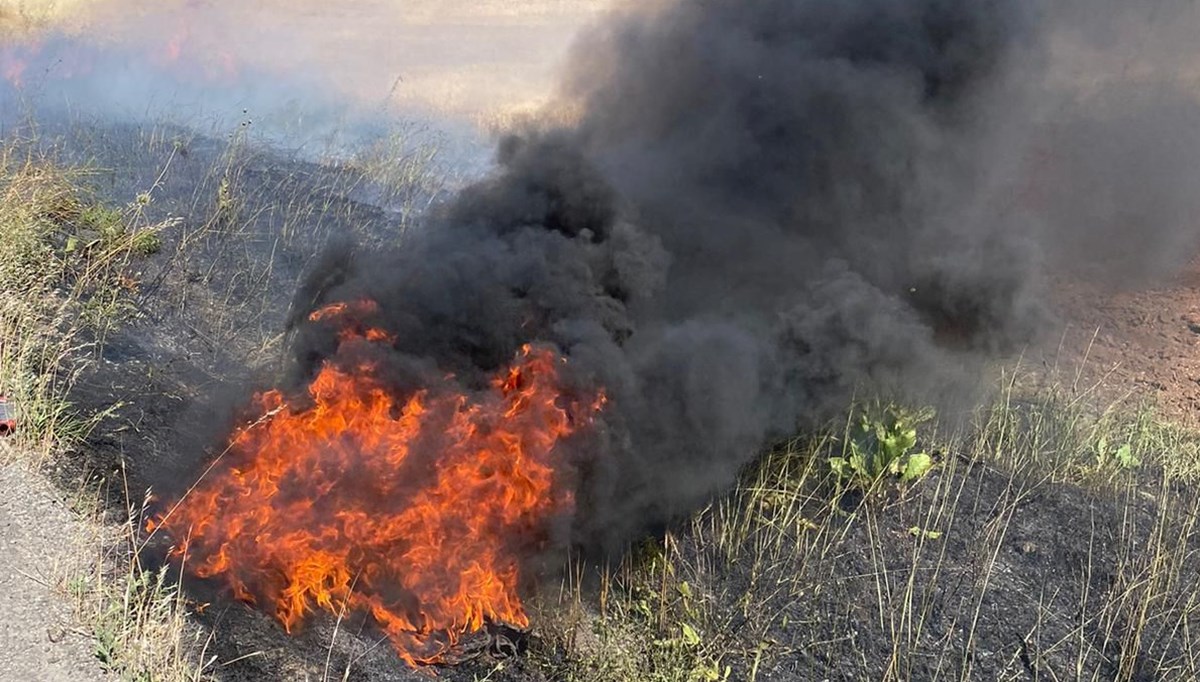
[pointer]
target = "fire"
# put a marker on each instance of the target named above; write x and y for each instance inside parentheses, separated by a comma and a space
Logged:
(14, 63)
(67, 57)
(20, 61)
(416, 510)
(208, 59)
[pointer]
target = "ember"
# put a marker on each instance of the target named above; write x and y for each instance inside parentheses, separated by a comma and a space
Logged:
(415, 510)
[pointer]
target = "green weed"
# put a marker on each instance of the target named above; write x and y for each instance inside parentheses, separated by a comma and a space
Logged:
(880, 444)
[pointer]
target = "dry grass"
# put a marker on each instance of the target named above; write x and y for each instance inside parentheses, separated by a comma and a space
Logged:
(64, 259)
(23, 18)
(138, 616)
(782, 576)
(37, 325)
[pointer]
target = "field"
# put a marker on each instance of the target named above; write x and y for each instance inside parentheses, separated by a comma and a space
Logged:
(150, 276)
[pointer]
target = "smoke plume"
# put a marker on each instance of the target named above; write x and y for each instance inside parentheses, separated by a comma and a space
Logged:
(765, 209)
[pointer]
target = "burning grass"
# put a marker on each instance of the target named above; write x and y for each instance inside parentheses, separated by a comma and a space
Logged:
(418, 510)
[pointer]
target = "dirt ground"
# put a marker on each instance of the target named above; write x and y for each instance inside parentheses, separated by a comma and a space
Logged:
(1137, 346)
(39, 639)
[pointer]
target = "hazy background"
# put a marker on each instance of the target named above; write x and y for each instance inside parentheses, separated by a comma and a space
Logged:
(478, 60)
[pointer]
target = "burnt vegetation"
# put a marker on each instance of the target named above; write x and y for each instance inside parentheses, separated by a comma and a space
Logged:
(805, 249)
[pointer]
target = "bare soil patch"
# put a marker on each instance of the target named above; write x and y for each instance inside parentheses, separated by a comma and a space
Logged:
(40, 541)
(1141, 345)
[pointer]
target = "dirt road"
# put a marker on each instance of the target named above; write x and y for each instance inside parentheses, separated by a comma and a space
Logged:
(40, 539)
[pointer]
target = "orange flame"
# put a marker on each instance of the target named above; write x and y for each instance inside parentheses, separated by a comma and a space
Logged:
(414, 510)
(22, 59)
(73, 57)
(216, 64)
(14, 62)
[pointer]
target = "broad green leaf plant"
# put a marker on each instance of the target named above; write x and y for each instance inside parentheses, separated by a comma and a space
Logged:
(881, 444)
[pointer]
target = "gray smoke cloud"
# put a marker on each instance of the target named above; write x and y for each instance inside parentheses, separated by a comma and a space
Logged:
(766, 209)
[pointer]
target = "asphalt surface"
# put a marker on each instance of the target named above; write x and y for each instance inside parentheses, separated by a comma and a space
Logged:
(40, 540)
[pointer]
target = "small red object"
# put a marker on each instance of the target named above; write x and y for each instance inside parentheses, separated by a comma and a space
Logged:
(8, 422)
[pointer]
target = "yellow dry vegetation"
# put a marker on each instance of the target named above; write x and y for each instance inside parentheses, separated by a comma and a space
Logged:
(29, 17)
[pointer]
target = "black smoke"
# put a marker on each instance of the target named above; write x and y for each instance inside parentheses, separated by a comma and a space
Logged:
(762, 209)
